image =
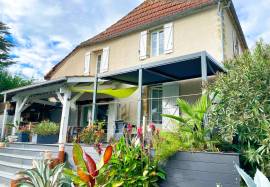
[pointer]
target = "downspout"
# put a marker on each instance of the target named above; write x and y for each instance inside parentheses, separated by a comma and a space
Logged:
(221, 8)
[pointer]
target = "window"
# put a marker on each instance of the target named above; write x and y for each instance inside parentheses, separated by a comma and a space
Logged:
(157, 42)
(87, 60)
(156, 105)
(235, 44)
(98, 63)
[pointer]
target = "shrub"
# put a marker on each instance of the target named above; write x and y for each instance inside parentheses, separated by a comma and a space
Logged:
(242, 112)
(46, 128)
(166, 145)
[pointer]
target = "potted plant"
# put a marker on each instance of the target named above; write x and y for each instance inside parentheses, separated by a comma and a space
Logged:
(46, 132)
(24, 134)
(92, 134)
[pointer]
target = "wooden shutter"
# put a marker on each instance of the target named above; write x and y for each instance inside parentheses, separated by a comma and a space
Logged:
(168, 38)
(104, 66)
(87, 59)
(143, 45)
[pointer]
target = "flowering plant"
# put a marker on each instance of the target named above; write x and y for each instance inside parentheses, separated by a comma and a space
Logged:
(93, 134)
(131, 163)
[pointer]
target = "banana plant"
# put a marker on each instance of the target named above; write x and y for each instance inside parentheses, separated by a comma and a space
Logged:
(260, 180)
(87, 169)
(42, 176)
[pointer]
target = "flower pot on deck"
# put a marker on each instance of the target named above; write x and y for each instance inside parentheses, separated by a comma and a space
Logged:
(23, 137)
(48, 139)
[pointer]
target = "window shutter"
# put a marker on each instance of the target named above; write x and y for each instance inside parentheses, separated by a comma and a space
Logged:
(104, 66)
(87, 59)
(168, 38)
(143, 45)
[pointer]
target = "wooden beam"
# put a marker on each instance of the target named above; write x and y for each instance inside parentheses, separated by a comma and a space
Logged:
(39, 101)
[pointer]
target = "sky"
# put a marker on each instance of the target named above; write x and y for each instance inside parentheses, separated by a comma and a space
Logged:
(45, 31)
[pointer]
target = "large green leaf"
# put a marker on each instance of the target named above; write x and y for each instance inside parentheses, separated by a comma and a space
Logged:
(174, 117)
(78, 157)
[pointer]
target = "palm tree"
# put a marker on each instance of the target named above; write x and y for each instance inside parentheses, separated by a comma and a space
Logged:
(193, 133)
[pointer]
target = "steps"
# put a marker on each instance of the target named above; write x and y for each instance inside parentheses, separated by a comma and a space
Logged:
(19, 156)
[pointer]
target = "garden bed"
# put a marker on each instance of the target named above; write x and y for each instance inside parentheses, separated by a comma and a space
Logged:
(198, 169)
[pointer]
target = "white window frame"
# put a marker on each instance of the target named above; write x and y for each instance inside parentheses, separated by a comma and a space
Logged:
(151, 99)
(158, 42)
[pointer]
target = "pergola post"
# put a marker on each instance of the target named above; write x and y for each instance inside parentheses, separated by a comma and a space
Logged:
(4, 117)
(94, 100)
(65, 100)
(203, 71)
(20, 103)
(139, 108)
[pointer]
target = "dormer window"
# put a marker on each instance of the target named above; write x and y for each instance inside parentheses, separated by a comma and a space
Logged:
(157, 42)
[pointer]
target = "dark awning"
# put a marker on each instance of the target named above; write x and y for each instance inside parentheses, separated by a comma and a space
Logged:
(174, 69)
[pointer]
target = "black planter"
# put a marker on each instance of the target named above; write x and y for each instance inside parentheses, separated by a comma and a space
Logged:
(198, 169)
(49, 139)
(23, 137)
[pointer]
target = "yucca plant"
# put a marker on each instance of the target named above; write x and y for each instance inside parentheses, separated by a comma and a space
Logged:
(260, 180)
(194, 134)
(42, 176)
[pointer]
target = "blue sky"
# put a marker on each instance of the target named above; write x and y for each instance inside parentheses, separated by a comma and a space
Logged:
(44, 31)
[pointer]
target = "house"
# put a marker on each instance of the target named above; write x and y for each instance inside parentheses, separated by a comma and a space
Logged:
(135, 69)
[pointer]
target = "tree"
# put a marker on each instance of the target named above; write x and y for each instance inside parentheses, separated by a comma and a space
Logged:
(5, 45)
(8, 81)
(242, 112)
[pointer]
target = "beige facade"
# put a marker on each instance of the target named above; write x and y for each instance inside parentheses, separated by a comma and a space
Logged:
(191, 34)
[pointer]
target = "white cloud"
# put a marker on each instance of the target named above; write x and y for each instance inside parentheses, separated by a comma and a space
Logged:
(255, 19)
(46, 31)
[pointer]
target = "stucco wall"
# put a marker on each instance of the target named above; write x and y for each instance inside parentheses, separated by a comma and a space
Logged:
(192, 34)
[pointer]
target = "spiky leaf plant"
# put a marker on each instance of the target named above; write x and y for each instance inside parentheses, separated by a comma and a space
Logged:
(43, 176)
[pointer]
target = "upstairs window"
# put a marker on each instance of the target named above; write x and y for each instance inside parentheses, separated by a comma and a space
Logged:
(157, 42)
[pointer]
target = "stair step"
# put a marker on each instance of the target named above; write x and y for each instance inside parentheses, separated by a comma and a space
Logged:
(25, 151)
(13, 167)
(18, 159)
(51, 147)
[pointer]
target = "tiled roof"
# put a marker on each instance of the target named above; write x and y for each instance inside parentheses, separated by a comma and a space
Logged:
(147, 12)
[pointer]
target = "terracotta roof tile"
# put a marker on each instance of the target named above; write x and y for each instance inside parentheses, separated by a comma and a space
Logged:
(147, 12)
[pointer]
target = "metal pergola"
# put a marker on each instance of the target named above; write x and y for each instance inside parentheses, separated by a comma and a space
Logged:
(195, 65)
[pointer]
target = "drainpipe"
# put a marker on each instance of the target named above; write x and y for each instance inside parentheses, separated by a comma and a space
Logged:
(221, 8)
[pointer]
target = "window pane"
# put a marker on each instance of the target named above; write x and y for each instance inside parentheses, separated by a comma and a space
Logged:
(161, 42)
(154, 43)
(156, 105)
(98, 63)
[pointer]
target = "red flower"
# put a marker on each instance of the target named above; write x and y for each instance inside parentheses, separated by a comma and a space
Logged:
(129, 128)
(152, 127)
(139, 132)
(98, 147)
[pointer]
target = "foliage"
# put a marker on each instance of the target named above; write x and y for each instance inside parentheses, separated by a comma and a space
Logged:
(131, 164)
(87, 170)
(194, 136)
(46, 128)
(166, 145)
(242, 112)
(5, 46)
(260, 180)
(7, 81)
(92, 134)
(43, 176)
